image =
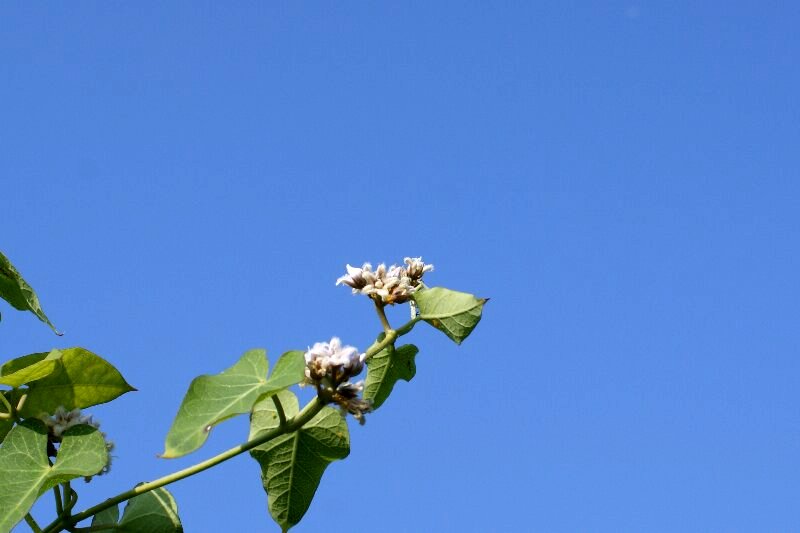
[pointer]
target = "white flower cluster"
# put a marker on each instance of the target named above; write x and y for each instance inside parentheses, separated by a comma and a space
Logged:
(392, 285)
(329, 366)
(331, 359)
(62, 420)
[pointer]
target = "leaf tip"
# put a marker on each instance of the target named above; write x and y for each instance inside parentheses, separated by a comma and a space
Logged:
(167, 454)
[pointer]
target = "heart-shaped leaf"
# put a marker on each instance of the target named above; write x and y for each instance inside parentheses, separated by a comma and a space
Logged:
(385, 368)
(292, 465)
(25, 472)
(212, 399)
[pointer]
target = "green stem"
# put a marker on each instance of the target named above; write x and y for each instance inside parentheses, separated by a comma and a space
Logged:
(408, 326)
(279, 409)
(21, 402)
(380, 309)
(296, 422)
(390, 336)
(7, 404)
(59, 503)
(32, 523)
(71, 497)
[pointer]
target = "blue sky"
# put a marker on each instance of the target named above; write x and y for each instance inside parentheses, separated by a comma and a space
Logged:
(182, 182)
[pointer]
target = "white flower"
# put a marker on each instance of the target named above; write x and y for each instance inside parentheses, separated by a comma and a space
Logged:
(62, 420)
(415, 268)
(390, 285)
(333, 360)
(355, 277)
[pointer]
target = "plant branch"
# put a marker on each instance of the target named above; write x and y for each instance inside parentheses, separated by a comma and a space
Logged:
(59, 503)
(71, 497)
(390, 336)
(32, 523)
(7, 404)
(380, 309)
(279, 409)
(296, 422)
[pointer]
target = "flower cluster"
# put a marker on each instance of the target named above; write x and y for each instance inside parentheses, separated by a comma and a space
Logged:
(62, 420)
(392, 285)
(329, 366)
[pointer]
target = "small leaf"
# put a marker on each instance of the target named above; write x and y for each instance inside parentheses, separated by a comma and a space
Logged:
(212, 399)
(25, 472)
(80, 379)
(151, 512)
(385, 368)
(454, 313)
(28, 368)
(292, 465)
(107, 517)
(18, 293)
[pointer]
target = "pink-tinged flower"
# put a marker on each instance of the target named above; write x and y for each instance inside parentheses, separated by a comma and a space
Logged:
(392, 285)
(333, 360)
(415, 268)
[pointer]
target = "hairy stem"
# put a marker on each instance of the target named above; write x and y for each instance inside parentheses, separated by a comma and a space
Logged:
(390, 336)
(380, 309)
(296, 422)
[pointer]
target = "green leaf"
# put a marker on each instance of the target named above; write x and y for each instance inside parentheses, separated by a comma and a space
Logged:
(385, 368)
(5, 427)
(212, 399)
(292, 465)
(454, 313)
(18, 293)
(107, 517)
(25, 472)
(80, 379)
(151, 512)
(28, 368)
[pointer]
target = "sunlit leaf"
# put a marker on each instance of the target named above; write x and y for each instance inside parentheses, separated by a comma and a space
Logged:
(212, 399)
(80, 379)
(454, 313)
(28, 368)
(16, 291)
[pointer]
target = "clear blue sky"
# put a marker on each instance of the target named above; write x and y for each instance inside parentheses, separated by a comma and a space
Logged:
(183, 182)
